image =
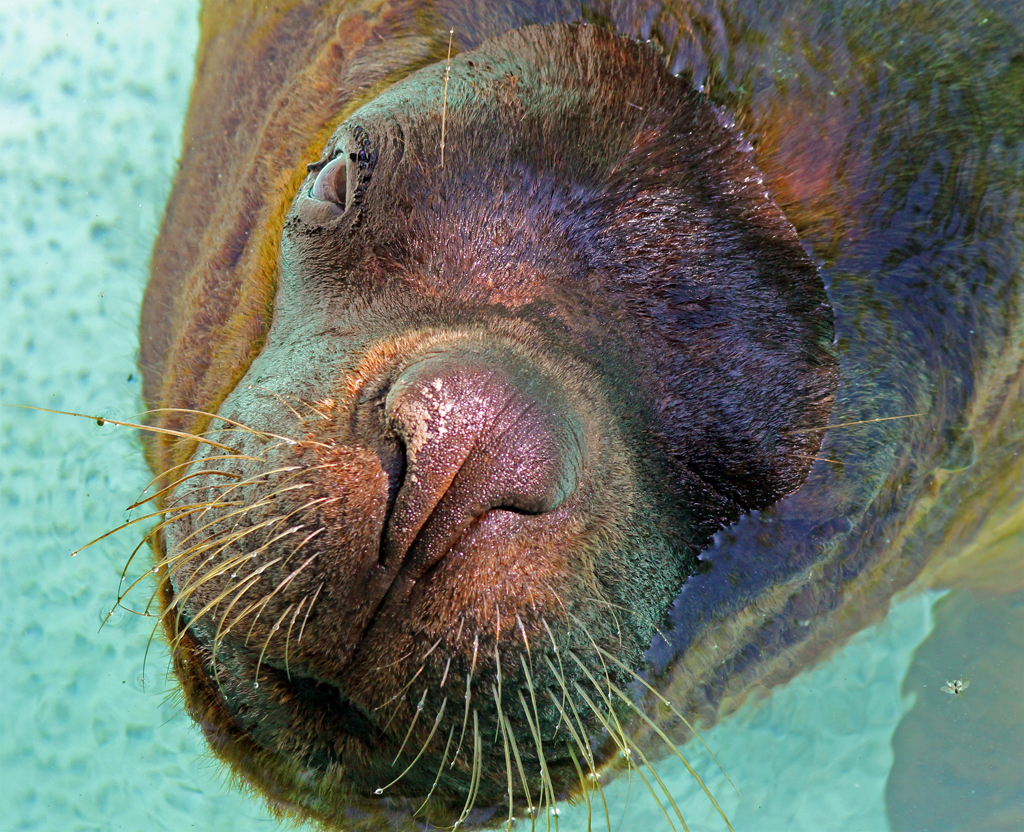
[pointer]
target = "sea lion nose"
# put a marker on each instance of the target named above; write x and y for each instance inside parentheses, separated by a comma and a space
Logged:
(480, 432)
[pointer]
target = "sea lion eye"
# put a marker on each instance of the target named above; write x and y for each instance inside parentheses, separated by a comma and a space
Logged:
(330, 184)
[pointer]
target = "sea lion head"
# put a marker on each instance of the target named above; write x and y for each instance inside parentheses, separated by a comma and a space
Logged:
(540, 330)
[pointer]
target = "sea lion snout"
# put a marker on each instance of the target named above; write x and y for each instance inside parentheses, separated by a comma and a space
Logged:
(480, 433)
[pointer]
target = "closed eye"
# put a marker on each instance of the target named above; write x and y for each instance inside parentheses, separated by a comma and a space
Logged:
(331, 183)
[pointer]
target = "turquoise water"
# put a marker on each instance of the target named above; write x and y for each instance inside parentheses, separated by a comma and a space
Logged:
(92, 96)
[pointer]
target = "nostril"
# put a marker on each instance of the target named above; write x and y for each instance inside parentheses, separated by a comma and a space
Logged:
(480, 433)
(392, 455)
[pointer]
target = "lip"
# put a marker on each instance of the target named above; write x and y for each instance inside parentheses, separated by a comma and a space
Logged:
(326, 702)
(474, 534)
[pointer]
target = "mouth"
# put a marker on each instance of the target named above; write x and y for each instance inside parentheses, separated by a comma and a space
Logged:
(409, 585)
(491, 711)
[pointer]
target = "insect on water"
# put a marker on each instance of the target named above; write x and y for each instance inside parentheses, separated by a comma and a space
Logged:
(956, 687)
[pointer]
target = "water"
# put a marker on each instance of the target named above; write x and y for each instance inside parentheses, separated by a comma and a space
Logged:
(92, 97)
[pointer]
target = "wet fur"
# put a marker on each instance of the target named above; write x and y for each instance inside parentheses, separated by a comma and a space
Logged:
(723, 446)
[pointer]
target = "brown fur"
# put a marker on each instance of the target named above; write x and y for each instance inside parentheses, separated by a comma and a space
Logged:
(652, 310)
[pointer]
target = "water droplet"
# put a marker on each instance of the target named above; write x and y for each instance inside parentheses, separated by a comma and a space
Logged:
(277, 627)
(378, 791)
(255, 684)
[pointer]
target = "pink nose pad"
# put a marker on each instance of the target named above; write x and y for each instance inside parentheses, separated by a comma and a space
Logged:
(480, 433)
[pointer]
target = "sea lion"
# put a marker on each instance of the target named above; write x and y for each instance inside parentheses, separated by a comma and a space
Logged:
(492, 388)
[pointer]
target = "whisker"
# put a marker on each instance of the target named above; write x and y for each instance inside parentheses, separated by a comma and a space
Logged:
(558, 655)
(817, 458)
(496, 693)
(277, 396)
(401, 660)
(852, 424)
(582, 734)
(285, 582)
(619, 738)
(258, 478)
(584, 788)
(444, 102)
(546, 787)
(423, 748)
(260, 434)
(282, 398)
(214, 545)
(398, 695)
(536, 713)
(270, 635)
(288, 636)
(612, 688)
(440, 768)
(185, 509)
(474, 782)
(498, 679)
(316, 595)
(672, 708)
(103, 420)
(588, 756)
(444, 676)
(507, 731)
(672, 747)
(412, 724)
(206, 472)
(264, 501)
(469, 694)
(243, 586)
